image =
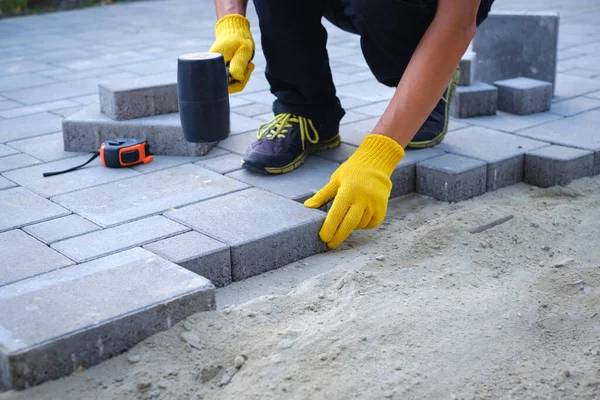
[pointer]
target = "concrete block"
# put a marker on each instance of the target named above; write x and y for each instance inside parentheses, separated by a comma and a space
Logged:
(141, 97)
(5, 183)
(22, 207)
(339, 154)
(39, 108)
(451, 178)
(148, 194)
(21, 81)
(404, 176)
(517, 44)
(476, 100)
(6, 150)
(16, 161)
(46, 147)
(466, 67)
(275, 233)
(102, 243)
(21, 257)
(198, 253)
(503, 152)
(238, 144)
(83, 315)
(557, 165)
(223, 164)
(61, 228)
(523, 96)
(574, 106)
(568, 86)
(28, 126)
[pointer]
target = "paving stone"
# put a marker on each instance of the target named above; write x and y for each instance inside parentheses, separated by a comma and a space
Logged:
(151, 67)
(122, 237)
(67, 112)
(571, 86)
(22, 207)
(404, 176)
(6, 183)
(46, 147)
(583, 72)
(339, 154)
(80, 316)
(61, 228)
(6, 150)
(20, 81)
(451, 178)
(516, 44)
(369, 90)
(223, 164)
(16, 161)
(355, 132)
(9, 105)
(277, 232)
(238, 143)
(20, 67)
(466, 67)
(253, 109)
(104, 60)
(523, 96)
(503, 152)
(28, 126)
(198, 253)
(476, 100)
(594, 95)
(512, 123)
(574, 106)
(557, 165)
(39, 108)
(148, 194)
(22, 256)
(163, 162)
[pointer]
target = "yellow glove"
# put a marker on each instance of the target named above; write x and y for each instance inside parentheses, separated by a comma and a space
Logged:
(361, 187)
(234, 41)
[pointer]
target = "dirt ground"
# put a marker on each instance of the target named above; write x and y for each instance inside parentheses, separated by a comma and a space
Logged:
(419, 308)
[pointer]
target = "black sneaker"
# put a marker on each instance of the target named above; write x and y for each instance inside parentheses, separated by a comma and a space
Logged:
(284, 142)
(435, 127)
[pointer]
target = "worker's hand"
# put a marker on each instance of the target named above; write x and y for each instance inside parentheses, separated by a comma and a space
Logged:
(361, 187)
(234, 41)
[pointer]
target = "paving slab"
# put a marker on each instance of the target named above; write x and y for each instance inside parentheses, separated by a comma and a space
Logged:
(20, 207)
(163, 162)
(61, 228)
(252, 109)
(19, 67)
(79, 316)
(369, 90)
(28, 126)
(571, 86)
(506, 122)
(7, 150)
(404, 178)
(354, 133)
(198, 253)
(557, 165)
(223, 164)
(9, 105)
(476, 100)
(574, 106)
(467, 68)
(67, 112)
(339, 154)
(524, 96)
(36, 109)
(104, 60)
(451, 178)
(238, 144)
(22, 256)
(21, 81)
(6, 183)
(260, 240)
(46, 147)
(16, 161)
(148, 194)
(503, 152)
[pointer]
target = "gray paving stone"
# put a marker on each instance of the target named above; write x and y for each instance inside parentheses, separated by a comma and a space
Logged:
(512, 123)
(277, 232)
(354, 133)
(61, 228)
(46, 147)
(92, 174)
(574, 106)
(39, 108)
(369, 90)
(122, 237)
(466, 67)
(339, 154)
(16, 161)
(82, 315)
(451, 178)
(9, 105)
(104, 60)
(503, 152)
(28, 126)
(198, 253)
(22, 207)
(6, 150)
(404, 176)
(6, 183)
(20, 67)
(163, 162)
(151, 67)
(22, 256)
(86, 99)
(523, 96)
(252, 110)
(478, 99)
(557, 165)
(594, 95)
(223, 164)
(514, 44)
(148, 194)
(67, 112)
(238, 143)
(21, 81)
(571, 86)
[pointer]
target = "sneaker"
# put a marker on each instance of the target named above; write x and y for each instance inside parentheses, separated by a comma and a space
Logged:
(435, 127)
(284, 143)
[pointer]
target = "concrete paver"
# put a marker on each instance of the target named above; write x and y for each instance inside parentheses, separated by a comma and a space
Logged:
(6, 150)
(46, 147)
(36, 109)
(22, 207)
(223, 164)
(557, 165)
(6, 183)
(476, 100)
(16, 161)
(28, 126)
(61, 228)
(523, 96)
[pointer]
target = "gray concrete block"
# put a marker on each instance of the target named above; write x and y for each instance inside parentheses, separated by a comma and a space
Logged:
(46, 147)
(5, 183)
(141, 97)
(523, 96)
(61, 228)
(28, 126)
(223, 164)
(275, 233)
(6, 150)
(517, 44)
(557, 165)
(198, 253)
(451, 178)
(80, 316)
(87, 129)
(467, 67)
(17, 161)
(122, 237)
(21, 257)
(22, 207)
(478, 99)
(404, 176)
(148, 194)
(503, 152)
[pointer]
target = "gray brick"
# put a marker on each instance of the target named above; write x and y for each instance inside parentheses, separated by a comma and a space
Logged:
(251, 110)
(86, 99)
(503, 152)
(451, 178)
(104, 60)
(83, 315)
(354, 133)
(557, 165)
(152, 67)
(238, 143)
(511, 123)
(67, 112)
(6, 150)
(141, 97)
(275, 233)
(21, 257)
(21, 207)
(163, 162)
(198, 253)
(404, 176)
(122, 237)
(39, 108)
(21, 81)
(571, 86)
(476, 100)
(148, 194)
(369, 90)
(223, 164)
(574, 106)
(339, 154)
(467, 66)
(61, 228)
(9, 105)
(20, 67)
(523, 96)
(5, 183)
(46, 147)
(28, 126)
(16, 161)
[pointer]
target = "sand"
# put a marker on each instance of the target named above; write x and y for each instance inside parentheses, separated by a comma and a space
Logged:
(418, 308)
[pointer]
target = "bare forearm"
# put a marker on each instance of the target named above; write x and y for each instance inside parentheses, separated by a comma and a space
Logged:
(226, 7)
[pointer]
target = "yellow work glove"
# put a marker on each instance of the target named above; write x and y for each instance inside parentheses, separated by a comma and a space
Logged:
(234, 41)
(361, 187)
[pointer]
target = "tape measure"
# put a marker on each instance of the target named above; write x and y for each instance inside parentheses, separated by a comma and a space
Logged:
(117, 153)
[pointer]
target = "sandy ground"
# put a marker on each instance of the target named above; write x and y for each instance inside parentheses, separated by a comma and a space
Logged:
(419, 308)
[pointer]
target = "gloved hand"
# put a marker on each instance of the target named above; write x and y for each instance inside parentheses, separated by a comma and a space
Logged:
(361, 187)
(234, 41)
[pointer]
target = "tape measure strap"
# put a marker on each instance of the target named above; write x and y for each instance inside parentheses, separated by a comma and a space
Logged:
(96, 154)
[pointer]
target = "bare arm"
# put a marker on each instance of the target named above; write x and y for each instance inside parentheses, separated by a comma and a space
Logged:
(430, 69)
(225, 7)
